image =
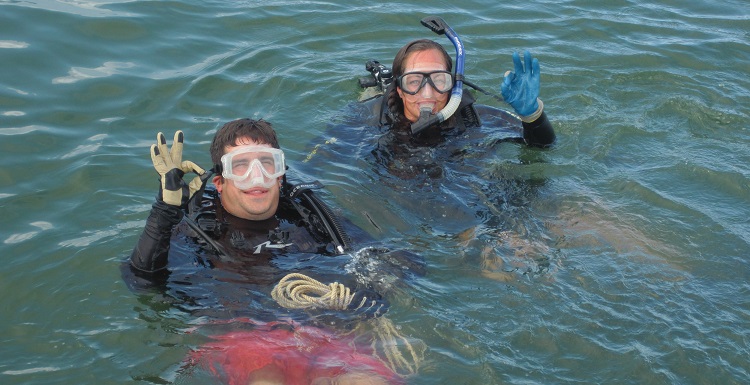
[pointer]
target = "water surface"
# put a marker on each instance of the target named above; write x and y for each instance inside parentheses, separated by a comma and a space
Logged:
(618, 256)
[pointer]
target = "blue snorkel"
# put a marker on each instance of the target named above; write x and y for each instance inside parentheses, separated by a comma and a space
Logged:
(426, 117)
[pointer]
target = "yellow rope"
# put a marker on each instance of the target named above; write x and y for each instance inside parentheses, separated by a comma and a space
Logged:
(390, 340)
(298, 291)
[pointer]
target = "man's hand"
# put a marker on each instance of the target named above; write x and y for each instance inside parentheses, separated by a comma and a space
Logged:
(368, 303)
(520, 88)
(171, 168)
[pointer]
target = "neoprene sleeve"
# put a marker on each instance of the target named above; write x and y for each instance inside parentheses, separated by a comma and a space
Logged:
(539, 133)
(150, 254)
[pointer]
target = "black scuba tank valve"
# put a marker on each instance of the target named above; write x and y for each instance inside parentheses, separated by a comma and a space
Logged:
(382, 76)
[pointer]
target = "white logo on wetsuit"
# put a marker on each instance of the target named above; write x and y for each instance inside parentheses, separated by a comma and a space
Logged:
(269, 245)
(238, 240)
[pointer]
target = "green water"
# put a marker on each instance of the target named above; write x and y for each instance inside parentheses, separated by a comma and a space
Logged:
(627, 265)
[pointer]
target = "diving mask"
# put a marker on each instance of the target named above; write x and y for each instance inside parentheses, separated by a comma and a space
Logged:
(412, 82)
(253, 166)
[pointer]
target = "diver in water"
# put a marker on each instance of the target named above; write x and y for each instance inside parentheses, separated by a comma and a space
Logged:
(250, 231)
(252, 223)
(424, 126)
(254, 212)
(423, 96)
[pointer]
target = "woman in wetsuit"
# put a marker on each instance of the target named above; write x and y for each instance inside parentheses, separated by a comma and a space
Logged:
(422, 80)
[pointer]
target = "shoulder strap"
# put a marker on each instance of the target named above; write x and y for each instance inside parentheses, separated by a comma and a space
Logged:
(199, 220)
(302, 198)
(306, 202)
(196, 201)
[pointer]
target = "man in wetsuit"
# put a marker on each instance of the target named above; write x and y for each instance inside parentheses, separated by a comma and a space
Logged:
(257, 228)
(253, 229)
(250, 206)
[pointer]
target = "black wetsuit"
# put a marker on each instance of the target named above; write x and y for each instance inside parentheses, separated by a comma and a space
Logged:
(409, 156)
(210, 262)
(538, 133)
(285, 232)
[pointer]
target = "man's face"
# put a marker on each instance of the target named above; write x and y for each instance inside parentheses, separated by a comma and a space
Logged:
(424, 61)
(255, 203)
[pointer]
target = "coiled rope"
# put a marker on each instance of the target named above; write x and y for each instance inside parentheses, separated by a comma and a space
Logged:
(298, 291)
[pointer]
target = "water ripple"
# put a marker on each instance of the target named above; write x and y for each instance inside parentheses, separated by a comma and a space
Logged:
(627, 264)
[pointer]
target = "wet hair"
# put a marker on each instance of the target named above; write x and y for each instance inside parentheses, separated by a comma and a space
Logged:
(230, 133)
(395, 104)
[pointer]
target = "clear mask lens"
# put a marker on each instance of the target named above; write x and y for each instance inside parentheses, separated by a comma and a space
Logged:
(253, 166)
(412, 82)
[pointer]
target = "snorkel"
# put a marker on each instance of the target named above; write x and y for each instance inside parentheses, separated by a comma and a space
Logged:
(426, 117)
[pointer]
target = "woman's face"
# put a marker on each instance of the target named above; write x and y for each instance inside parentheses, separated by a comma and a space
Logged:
(424, 61)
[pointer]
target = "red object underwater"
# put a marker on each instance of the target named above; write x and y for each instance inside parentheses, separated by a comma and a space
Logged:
(281, 353)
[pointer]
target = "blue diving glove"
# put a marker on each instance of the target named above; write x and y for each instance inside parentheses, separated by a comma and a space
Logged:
(520, 88)
(171, 168)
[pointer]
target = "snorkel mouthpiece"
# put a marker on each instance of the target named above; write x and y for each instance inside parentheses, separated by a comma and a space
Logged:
(426, 119)
(440, 27)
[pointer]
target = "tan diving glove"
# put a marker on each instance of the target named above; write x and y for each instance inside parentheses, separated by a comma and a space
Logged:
(171, 168)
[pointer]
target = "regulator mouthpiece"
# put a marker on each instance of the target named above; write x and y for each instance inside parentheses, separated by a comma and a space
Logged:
(425, 113)
(426, 119)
